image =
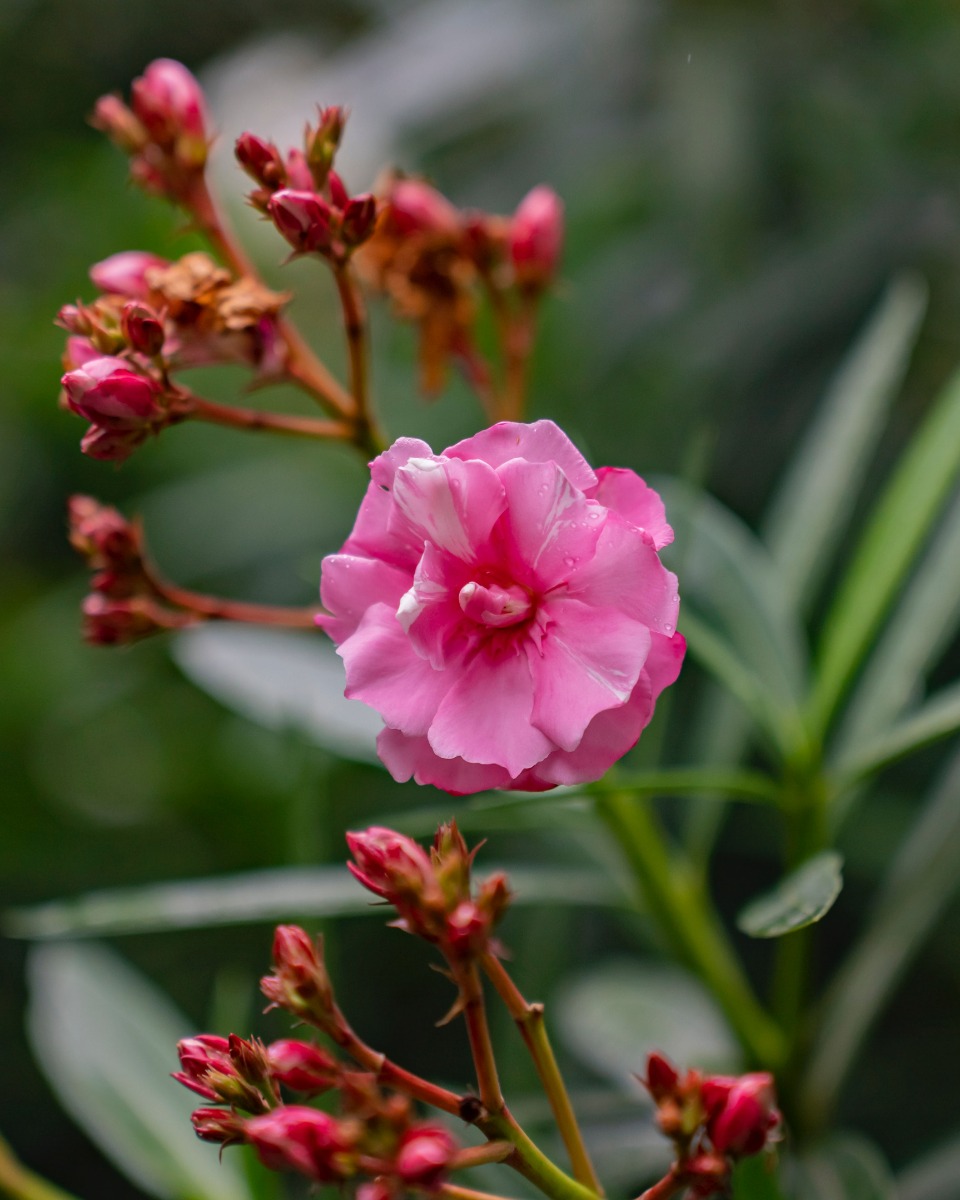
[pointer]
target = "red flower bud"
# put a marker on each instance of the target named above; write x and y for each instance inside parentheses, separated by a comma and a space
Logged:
(200, 1055)
(302, 1139)
(217, 1125)
(300, 983)
(359, 218)
(740, 1112)
(468, 930)
(111, 396)
(662, 1078)
(390, 865)
(416, 207)
(168, 101)
(536, 237)
(302, 1067)
(303, 218)
(142, 328)
(261, 160)
(424, 1156)
(109, 622)
(124, 274)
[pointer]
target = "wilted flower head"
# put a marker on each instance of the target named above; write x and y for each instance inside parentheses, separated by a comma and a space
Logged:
(503, 607)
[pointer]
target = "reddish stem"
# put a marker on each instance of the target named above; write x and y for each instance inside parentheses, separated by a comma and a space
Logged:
(214, 608)
(256, 421)
(670, 1185)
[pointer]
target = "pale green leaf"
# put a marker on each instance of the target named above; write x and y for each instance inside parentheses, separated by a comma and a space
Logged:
(921, 881)
(283, 680)
(843, 1167)
(614, 1015)
(106, 1040)
(817, 495)
(275, 895)
(897, 529)
(933, 1177)
(804, 897)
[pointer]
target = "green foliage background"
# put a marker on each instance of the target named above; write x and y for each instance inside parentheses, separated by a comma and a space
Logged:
(741, 179)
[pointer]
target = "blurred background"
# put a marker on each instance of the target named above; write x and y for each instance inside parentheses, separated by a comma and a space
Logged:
(741, 181)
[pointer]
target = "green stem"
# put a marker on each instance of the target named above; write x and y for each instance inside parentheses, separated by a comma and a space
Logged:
(531, 1162)
(668, 887)
(530, 1022)
(18, 1183)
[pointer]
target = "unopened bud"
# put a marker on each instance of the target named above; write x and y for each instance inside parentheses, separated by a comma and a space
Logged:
(142, 328)
(198, 1057)
(359, 218)
(112, 117)
(536, 238)
(300, 983)
(108, 622)
(169, 102)
(111, 396)
(322, 142)
(217, 1125)
(302, 1066)
(741, 1112)
(302, 1139)
(416, 207)
(303, 218)
(125, 274)
(261, 160)
(662, 1078)
(390, 864)
(424, 1156)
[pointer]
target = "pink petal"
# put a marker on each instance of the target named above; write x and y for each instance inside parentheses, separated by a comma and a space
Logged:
(485, 717)
(372, 535)
(411, 757)
(625, 574)
(539, 442)
(349, 585)
(627, 494)
(589, 661)
(450, 503)
(384, 671)
(664, 661)
(430, 611)
(549, 528)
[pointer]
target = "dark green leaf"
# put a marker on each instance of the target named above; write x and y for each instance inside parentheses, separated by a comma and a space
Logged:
(804, 897)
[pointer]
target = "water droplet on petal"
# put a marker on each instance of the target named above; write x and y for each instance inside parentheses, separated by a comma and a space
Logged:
(668, 629)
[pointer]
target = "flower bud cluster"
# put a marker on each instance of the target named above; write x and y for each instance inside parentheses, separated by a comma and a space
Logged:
(164, 129)
(712, 1120)
(369, 1136)
(431, 891)
(430, 258)
(303, 195)
(123, 605)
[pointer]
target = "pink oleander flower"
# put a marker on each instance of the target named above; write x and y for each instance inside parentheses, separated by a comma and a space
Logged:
(503, 607)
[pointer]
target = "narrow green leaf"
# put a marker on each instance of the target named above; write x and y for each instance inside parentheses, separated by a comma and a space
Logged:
(804, 897)
(757, 1178)
(933, 1177)
(844, 1167)
(938, 718)
(275, 895)
(614, 1015)
(898, 526)
(920, 628)
(718, 781)
(921, 881)
(280, 679)
(106, 1040)
(810, 511)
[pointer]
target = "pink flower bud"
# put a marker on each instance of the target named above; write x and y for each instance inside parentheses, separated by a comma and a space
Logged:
(168, 101)
(424, 1156)
(741, 1112)
(359, 218)
(337, 191)
(111, 396)
(389, 864)
(142, 328)
(217, 1125)
(303, 218)
(112, 117)
(322, 143)
(468, 930)
(78, 352)
(416, 207)
(300, 983)
(536, 237)
(199, 1056)
(301, 1139)
(298, 172)
(301, 1066)
(377, 1189)
(125, 274)
(261, 160)
(111, 445)
(108, 622)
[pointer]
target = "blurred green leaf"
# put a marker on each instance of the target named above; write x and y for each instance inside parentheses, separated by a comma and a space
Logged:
(106, 1040)
(757, 1178)
(923, 623)
(802, 898)
(933, 1177)
(898, 526)
(614, 1015)
(818, 491)
(282, 680)
(731, 584)
(938, 718)
(921, 881)
(844, 1167)
(276, 895)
